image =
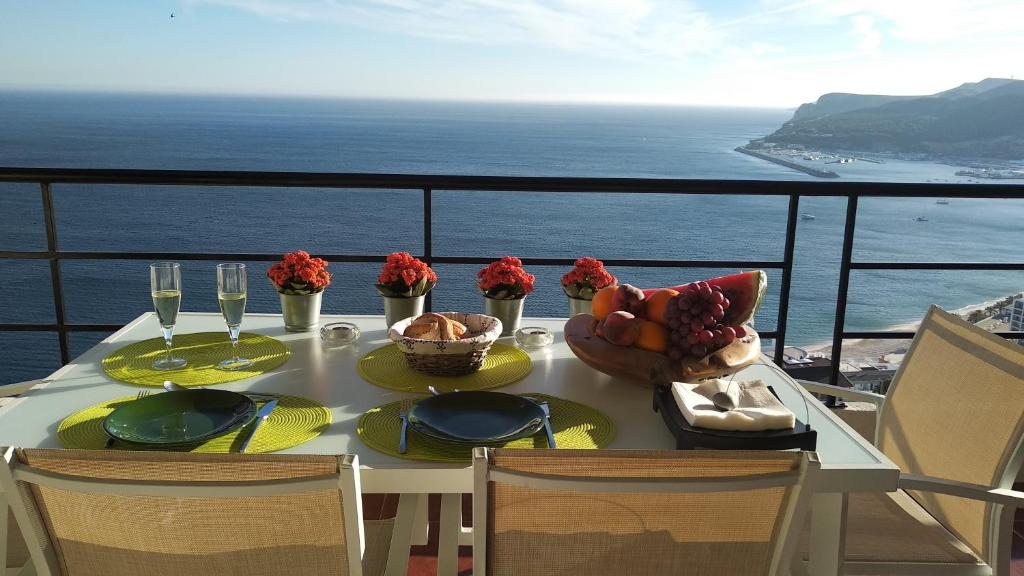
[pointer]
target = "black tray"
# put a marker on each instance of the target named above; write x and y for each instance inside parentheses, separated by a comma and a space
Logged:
(690, 438)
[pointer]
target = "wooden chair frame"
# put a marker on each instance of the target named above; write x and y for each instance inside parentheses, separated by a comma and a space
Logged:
(1004, 499)
(801, 480)
(346, 480)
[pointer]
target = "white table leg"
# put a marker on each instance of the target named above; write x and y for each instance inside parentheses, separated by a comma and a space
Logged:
(421, 527)
(402, 533)
(449, 531)
(828, 533)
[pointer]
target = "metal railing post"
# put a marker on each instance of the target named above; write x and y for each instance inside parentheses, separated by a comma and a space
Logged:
(55, 279)
(787, 277)
(839, 327)
(428, 248)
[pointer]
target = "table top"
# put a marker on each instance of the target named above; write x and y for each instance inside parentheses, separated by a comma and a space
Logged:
(328, 376)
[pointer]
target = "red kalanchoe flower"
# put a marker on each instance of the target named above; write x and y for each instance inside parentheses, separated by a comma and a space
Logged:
(505, 279)
(297, 273)
(404, 276)
(586, 278)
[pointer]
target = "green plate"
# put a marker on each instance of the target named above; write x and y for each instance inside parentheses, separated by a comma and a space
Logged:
(180, 417)
(476, 417)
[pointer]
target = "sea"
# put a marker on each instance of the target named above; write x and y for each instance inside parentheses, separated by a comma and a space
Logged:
(79, 130)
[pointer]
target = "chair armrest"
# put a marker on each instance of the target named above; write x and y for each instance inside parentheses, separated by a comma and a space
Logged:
(1003, 496)
(17, 389)
(844, 393)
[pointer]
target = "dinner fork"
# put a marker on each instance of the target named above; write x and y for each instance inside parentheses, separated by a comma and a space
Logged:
(110, 441)
(403, 415)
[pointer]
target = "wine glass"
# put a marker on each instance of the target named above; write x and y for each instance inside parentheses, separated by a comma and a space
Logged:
(231, 291)
(165, 287)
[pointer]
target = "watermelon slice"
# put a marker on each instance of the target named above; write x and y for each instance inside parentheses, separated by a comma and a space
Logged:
(745, 292)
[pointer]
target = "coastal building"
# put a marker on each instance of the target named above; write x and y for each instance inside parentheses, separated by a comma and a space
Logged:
(1017, 317)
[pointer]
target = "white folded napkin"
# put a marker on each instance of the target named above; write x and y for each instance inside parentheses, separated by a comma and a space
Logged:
(756, 407)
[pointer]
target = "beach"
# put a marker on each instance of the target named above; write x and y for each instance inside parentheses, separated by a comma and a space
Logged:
(869, 351)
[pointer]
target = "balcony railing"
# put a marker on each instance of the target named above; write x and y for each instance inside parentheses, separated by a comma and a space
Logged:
(794, 191)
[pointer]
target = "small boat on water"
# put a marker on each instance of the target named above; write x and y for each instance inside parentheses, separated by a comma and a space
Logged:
(806, 216)
(942, 201)
(921, 219)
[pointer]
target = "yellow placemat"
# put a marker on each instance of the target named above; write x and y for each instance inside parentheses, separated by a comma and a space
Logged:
(203, 351)
(386, 367)
(295, 420)
(575, 426)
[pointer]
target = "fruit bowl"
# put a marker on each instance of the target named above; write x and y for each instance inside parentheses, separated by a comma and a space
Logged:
(634, 364)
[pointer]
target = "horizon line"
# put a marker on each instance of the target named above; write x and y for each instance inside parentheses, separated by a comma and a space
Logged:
(397, 99)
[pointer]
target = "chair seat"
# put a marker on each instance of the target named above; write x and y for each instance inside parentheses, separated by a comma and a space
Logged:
(375, 557)
(893, 527)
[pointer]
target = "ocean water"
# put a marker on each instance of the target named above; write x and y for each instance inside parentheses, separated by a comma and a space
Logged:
(178, 132)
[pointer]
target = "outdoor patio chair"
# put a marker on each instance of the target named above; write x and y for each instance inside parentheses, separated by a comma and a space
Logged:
(953, 421)
(615, 512)
(12, 545)
(171, 514)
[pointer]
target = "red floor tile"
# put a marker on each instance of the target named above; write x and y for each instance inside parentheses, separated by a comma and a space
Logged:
(1017, 556)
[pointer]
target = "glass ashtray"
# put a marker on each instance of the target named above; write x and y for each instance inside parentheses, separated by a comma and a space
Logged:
(339, 333)
(534, 337)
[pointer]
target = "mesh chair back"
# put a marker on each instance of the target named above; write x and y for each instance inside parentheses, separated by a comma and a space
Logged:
(84, 533)
(955, 410)
(531, 530)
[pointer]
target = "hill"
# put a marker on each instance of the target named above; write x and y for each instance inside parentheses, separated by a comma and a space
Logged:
(974, 120)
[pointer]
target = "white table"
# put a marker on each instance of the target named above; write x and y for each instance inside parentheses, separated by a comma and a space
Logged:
(328, 376)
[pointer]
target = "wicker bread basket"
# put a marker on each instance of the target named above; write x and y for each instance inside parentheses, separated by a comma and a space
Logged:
(449, 357)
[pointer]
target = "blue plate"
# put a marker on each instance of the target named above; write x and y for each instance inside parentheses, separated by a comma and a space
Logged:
(179, 417)
(476, 417)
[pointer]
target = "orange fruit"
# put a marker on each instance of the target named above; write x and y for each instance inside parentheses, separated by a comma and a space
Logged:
(655, 304)
(653, 337)
(601, 305)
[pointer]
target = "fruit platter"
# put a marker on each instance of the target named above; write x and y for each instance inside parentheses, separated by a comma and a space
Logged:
(697, 330)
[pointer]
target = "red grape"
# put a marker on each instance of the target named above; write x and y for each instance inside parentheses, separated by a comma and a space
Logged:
(697, 325)
(705, 291)
(709, 320)
(699, 351)
(741, 332)
(728, 335)
(725, 304)
(717, 311)
(692, 339)
(717, 297)
(705, 336)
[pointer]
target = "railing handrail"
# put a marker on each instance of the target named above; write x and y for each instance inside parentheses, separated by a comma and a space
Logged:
(426, 184)
(551, 184)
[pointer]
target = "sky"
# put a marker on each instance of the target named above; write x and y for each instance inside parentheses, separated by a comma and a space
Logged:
(772, 53)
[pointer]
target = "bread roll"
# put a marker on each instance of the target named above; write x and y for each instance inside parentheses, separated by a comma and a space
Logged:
(433, 326)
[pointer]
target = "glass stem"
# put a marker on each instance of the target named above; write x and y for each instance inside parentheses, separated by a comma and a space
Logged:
(168, 335)
(233, 334)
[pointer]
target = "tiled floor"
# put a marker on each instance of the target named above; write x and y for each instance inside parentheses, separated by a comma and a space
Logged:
(423, 560)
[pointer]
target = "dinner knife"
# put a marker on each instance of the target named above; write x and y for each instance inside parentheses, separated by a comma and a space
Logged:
(260, 417)
(547, 425)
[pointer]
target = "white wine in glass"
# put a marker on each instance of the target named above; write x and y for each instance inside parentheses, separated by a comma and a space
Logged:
(165, 287)
(231, 291)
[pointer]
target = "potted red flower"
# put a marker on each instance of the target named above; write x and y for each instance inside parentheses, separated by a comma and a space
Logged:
(403, 283)
(505, 285)
(300, 280)
(583, 281)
